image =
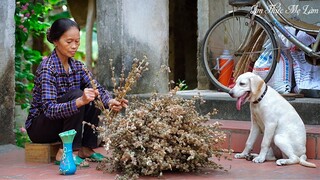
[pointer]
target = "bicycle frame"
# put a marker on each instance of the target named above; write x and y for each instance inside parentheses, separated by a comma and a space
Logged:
(312, 52)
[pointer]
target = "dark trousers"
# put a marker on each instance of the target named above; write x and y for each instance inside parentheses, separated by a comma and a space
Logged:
(45, 130)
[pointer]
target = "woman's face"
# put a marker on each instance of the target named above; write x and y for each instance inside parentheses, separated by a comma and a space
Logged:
(68, 43)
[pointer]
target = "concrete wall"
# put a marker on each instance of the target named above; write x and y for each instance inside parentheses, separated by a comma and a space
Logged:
(7, 41)
(129, 29)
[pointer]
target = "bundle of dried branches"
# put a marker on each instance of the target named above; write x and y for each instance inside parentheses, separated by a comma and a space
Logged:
(159, 134)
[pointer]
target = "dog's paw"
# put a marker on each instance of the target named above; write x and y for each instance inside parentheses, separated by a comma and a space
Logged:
(259, 159)
(240, 156)
(281, 162)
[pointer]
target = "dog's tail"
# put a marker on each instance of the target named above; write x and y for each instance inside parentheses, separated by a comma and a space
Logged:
(303, 162)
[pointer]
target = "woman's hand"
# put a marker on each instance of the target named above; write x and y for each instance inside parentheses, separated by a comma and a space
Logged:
(117, 105)
(89, 94)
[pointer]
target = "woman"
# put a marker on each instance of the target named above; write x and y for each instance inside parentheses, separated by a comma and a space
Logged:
(62, 95)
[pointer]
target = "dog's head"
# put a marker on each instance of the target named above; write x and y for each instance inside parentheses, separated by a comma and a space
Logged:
(248, 87)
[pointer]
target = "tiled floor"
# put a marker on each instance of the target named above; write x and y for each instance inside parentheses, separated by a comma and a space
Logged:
(13, 166)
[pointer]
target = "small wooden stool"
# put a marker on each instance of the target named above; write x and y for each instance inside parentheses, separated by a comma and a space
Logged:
(44, 153)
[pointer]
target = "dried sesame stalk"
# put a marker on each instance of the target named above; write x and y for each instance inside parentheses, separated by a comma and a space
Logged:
(159, 134)
(125, 84)
(138, 67)
(163, 133)
(98, 102)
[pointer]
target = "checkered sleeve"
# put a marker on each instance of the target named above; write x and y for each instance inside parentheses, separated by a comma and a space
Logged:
(52, 109)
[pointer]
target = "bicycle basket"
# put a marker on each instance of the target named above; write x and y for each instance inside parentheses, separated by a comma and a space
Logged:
(242, 2)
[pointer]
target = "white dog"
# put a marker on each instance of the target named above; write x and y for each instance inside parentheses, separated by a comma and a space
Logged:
(273, 116)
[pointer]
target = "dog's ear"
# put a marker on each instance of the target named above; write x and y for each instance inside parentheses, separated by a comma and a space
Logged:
(256, 84)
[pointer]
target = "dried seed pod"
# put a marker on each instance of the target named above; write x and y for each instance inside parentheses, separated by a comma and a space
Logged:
(162, 133)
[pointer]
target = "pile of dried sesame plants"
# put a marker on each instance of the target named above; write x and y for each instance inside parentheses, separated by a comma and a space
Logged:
(162, 133)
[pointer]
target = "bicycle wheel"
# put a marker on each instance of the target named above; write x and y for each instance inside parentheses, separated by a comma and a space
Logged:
(245, 39)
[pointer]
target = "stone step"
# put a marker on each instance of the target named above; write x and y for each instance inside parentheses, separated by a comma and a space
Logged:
(237, 133)
(308, 108)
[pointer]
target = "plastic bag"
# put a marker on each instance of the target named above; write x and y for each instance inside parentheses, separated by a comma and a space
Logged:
(301, 36)
(307, 76)
(281, 79)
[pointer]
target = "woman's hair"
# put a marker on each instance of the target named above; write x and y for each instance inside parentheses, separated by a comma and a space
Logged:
(59, 27)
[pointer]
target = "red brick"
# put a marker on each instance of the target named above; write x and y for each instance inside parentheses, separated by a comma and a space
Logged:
(311, 147)
(318, 147)
(238, 141)
(257, 145)
(226, 144)
(239, 132)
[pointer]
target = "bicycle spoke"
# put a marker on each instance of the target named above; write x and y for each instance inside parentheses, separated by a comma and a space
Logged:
(244, 38)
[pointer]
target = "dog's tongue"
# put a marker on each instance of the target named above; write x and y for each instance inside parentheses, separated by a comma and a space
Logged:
(241, 101)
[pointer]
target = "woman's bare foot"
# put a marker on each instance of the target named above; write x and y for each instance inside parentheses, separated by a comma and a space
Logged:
(85, 152)
(59, 155)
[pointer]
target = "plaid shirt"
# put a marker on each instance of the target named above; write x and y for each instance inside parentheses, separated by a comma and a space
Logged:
(52, 82)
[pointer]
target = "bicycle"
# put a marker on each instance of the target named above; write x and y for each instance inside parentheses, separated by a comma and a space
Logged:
(246, 35)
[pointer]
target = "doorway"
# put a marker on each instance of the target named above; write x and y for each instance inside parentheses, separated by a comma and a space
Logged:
(183, 41)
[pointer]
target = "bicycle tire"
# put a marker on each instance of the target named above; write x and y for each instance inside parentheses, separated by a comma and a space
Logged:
(215, 41)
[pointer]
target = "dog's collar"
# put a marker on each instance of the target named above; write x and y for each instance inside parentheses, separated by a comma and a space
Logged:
(262, 95)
